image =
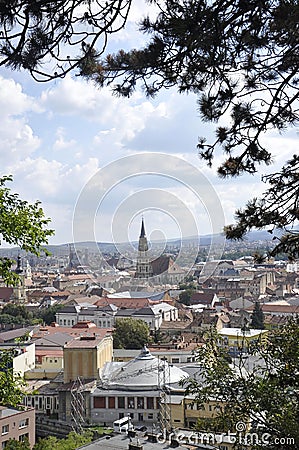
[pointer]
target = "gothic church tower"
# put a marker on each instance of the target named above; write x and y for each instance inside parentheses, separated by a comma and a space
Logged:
(144, 267)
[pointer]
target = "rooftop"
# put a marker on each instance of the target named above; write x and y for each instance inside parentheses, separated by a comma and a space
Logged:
(239, 332)
(139, 373)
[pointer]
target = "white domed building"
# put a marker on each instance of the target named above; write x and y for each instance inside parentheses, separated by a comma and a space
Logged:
(133, 388)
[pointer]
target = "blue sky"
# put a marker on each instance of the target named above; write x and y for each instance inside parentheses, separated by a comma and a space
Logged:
(55, 137)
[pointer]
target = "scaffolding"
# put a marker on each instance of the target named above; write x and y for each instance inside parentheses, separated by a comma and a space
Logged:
(77, 405)
(164, 397)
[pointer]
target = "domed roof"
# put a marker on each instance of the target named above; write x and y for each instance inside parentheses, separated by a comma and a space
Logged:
(145, 372)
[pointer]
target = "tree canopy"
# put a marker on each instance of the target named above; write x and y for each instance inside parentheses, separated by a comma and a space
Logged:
(241, 59)
(50, 38)
(13, 444)
(22, 224)
(261, 394)
(71, 442)
(130, 333)
(11, 384)
(257, 319)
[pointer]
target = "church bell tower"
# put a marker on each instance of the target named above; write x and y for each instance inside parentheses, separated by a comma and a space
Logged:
(144, 267)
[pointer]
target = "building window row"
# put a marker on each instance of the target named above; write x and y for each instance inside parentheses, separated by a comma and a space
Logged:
(125, 402)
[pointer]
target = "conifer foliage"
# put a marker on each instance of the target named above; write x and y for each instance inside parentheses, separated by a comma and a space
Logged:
(241, 58)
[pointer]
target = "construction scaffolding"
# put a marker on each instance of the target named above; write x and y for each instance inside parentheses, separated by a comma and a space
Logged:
(164, 397)
(78, 405)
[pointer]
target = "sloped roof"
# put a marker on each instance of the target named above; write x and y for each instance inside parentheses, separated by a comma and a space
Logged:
(55, 340)
(69, 309)
(161, 264)
(6, 293)
(124, 302)
(204, 298)
(283, 309)
(11, 335)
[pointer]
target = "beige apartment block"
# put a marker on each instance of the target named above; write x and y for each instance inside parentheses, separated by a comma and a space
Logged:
(18, 424)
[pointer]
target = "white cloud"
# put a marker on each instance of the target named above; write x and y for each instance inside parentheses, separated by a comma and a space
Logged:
(17, 138)
(61, 143)
(13, 101)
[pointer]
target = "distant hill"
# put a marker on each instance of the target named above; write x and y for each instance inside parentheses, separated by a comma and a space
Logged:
(109, 247)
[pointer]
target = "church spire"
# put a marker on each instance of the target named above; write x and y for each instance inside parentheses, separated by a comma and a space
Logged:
(143, 268)
(142, 246)
(142, 232)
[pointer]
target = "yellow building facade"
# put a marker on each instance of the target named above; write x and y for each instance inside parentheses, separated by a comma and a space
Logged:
(86, 355)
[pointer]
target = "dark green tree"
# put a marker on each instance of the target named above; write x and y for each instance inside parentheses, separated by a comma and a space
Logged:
(257, 319)
(12, 444)
(130, 333)
(264, 398)
(18, 314)
(48, 315)
(11, 384)
(185, 296)
(241, 59)
(22, 224)
(71, 442)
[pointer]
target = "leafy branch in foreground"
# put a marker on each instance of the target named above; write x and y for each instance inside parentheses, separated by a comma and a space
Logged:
(11, 384)
(241, 59)
(259, 388)
(277, 210)
(45, 37)
(22, 224)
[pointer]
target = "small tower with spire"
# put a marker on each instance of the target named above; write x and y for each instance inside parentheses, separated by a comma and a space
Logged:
(144, 267)
(19, 291)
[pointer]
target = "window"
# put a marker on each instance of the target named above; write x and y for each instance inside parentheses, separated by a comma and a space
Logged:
(5, 429)
(4, 444)
(200, 407)
(131, 403)
(140, 402)
(140, 417)
(24, 423)
(150, 416)
(121, 402)
(175, 360)
(99, 402)
(111, 402)
(23, 437)
(150, 403)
